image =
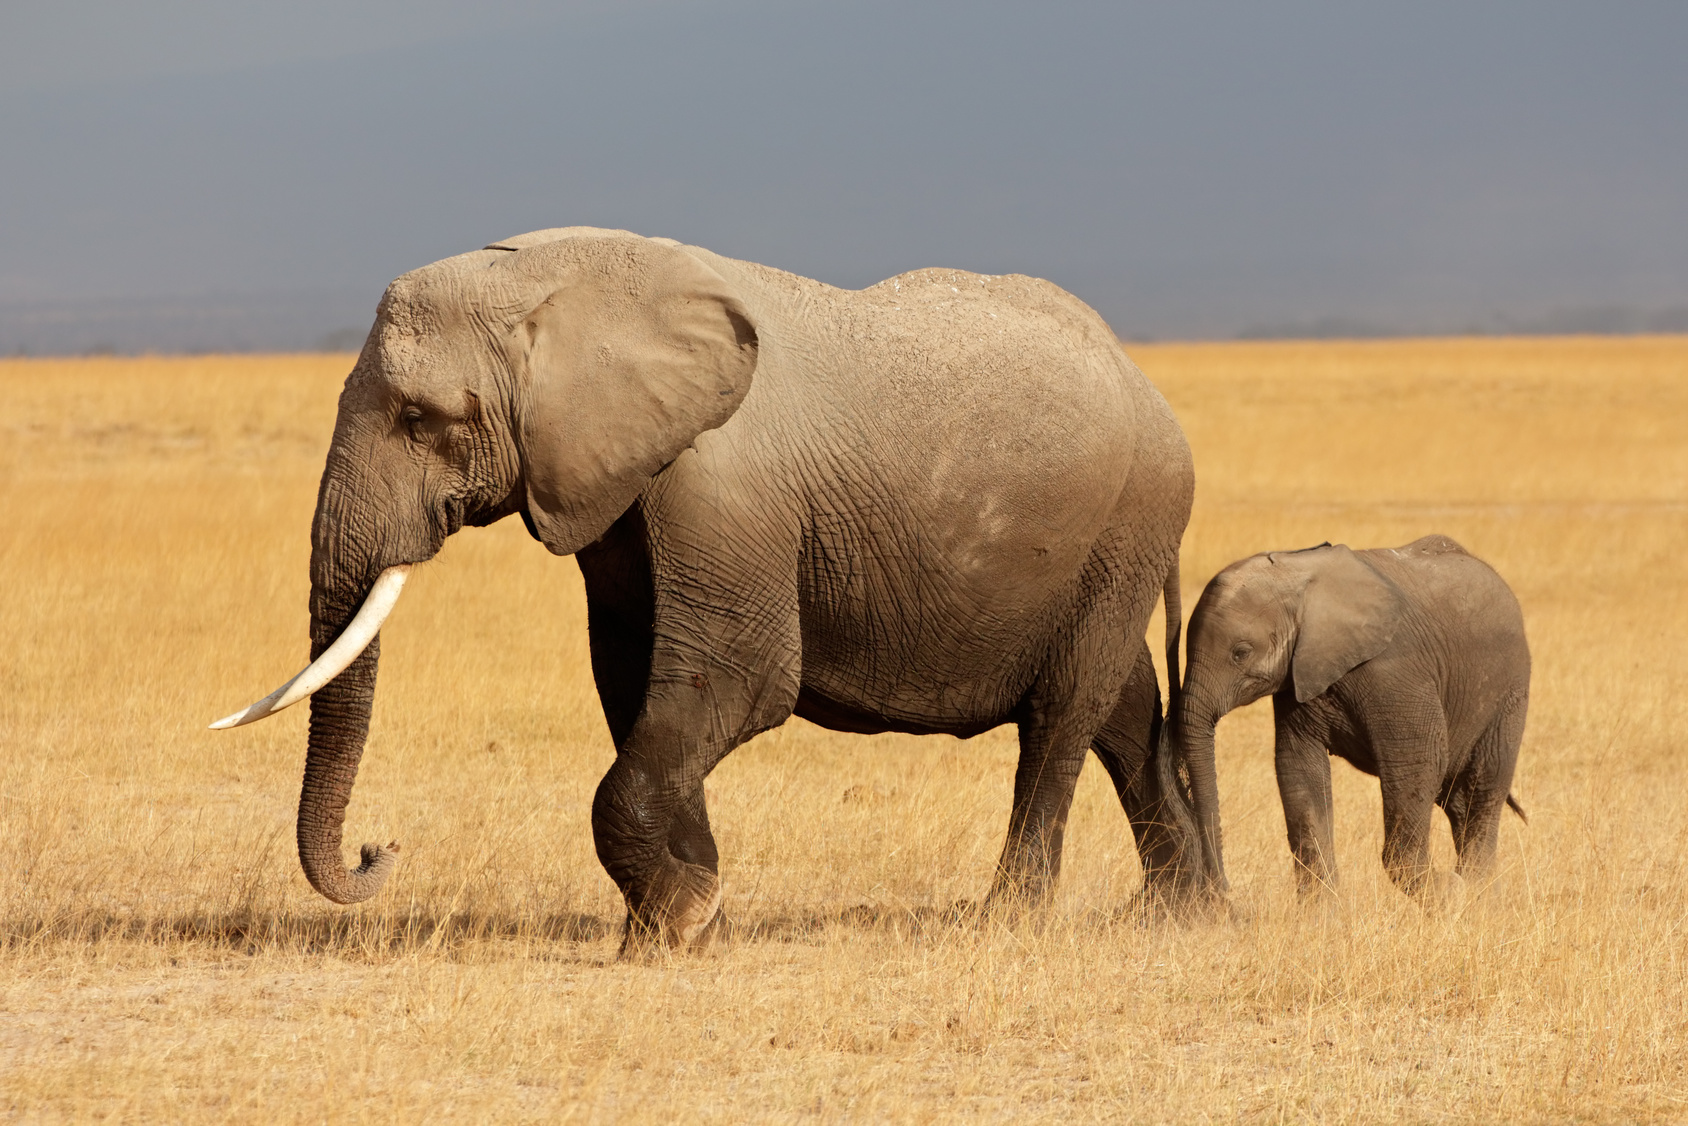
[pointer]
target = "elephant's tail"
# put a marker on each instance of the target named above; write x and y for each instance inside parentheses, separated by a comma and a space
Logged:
(1512, 803)
(1174, 626)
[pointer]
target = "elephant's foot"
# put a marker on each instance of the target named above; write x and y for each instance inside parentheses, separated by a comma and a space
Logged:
(1018, 896)
(1178, 901)
(1312, 886)
(717, 932)
(676, 911)
(1442, 893)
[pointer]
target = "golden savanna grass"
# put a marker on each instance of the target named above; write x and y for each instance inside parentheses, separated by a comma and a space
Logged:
(162, 959)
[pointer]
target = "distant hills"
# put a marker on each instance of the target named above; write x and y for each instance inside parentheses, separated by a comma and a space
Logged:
(277, 322)
(1602, 320)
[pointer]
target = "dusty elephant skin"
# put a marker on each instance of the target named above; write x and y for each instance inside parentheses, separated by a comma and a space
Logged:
(938, 504)
(1408, 662)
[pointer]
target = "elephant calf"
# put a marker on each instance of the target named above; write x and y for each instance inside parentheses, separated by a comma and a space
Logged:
(1409, 662)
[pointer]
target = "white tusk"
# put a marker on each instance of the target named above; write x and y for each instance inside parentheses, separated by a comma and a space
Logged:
(354, 639)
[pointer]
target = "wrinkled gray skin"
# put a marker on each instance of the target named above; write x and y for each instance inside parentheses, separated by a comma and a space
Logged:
(1409, 662)
(938, 504)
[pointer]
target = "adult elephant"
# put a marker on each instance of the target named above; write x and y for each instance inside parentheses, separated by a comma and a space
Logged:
(939, 504)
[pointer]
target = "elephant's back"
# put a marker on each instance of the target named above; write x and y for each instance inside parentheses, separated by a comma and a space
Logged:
(943, 354)
(996, 400)
(1476, 611)
(1001, 370)
(1004, 420)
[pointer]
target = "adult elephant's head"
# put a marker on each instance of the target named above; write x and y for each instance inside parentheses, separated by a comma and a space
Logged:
(1296, 618)
(553, 375)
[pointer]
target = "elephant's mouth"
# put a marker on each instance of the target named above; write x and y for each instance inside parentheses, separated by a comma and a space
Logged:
(474, 512)
(452, 514)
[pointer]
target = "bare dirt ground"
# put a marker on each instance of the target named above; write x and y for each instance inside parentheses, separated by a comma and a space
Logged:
(162, 959)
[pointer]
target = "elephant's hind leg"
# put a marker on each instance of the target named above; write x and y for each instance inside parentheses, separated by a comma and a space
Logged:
(1478, 800)
(1152, 798)
(1411, 758)
(1059, 720)
(1053, 743)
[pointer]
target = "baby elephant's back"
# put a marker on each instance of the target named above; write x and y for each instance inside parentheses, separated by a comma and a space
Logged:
(1464, 600)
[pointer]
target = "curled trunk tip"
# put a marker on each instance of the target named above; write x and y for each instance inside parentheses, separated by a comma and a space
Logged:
(343, 885)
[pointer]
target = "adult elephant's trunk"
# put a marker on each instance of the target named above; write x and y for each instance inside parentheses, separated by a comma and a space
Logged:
(355, 579)
(1194, 736)
(339, 728)
(338, 732)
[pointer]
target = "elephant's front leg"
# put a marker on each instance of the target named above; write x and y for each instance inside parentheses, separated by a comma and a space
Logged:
(649, 820)
(1302, 762)
(653, 839)
(713, 684)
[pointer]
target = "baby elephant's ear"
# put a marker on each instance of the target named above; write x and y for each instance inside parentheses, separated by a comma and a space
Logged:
(1349, 613)
(637, 350)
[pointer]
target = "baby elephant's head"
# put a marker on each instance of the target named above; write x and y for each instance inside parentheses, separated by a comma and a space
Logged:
(1296, 618)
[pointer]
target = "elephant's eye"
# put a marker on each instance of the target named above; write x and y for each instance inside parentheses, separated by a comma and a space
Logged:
(1240, 652)
(412, 418)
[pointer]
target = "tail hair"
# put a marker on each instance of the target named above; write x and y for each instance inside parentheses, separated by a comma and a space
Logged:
(1512, 803)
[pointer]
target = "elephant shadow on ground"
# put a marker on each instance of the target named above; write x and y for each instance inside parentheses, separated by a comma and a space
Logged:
(961, 917)
(378, 934)
(897, 920)
(312, 932)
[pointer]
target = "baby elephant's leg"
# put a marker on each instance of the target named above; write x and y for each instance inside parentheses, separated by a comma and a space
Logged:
(1410, 762)
(1303, 767)
(1479, 797)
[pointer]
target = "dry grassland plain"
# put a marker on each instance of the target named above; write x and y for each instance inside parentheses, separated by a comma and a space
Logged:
(162, 958)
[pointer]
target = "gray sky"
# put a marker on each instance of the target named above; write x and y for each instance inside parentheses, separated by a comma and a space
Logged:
(207, 175)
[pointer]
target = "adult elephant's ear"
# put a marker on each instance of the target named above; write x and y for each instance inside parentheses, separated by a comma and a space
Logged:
(637, 350)
(1349, 613)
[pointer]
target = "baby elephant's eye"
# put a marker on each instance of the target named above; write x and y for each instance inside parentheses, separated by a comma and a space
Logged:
(1240, 652)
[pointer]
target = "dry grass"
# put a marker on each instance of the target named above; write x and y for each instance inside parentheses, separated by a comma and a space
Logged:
(161, 958)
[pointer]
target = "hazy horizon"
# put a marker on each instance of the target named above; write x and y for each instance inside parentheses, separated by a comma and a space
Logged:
(194, 179)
